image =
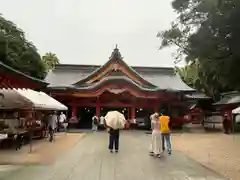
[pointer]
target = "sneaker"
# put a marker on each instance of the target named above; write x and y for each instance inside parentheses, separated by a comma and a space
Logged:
(169, 152)
(159, 155)
(151, 153)
(111, 150)
(116, 151)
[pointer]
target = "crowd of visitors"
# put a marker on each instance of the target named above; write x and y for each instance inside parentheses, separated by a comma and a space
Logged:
(161, 135)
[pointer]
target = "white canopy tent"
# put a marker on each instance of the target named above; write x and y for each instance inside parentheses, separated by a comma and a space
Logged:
(236, 111)
(27, 98)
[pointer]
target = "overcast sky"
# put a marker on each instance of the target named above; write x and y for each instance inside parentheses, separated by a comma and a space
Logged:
(86, 31)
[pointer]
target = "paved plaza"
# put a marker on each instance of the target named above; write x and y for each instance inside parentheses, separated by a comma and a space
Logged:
(42, 152)
(89, 159)
(217, 151)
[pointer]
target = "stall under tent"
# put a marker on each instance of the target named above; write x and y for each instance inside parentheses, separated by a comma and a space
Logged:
(25, 115)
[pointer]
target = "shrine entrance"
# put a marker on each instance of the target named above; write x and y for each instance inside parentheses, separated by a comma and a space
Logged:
(143, 112)
(84, 116)
(124, 111)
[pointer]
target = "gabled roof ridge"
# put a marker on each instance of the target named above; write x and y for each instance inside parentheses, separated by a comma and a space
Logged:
(115, 56)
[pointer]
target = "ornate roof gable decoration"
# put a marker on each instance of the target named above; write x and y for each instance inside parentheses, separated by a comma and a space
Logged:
(115, 64)
(116, 55)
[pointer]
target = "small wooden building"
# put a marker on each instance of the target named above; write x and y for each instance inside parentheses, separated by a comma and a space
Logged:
(228, 102)
(199, 104)
(225, 106)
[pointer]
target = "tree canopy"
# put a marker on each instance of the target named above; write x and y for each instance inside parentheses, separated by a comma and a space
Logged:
(51, 60)
(16, 51)
(206, 33)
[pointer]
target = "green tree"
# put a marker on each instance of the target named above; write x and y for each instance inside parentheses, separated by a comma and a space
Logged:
(17, 52)
(207, 32)
(191, 74)
(51, 60)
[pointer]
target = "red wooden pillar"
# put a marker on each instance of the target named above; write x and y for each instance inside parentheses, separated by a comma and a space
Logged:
(98, 108)
(127, 125)
(73, 118)
(156, 106)
(129, 113)
(169, 110)
(132, 113)
(74, 110)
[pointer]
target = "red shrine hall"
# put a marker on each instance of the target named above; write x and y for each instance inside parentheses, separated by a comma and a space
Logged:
(135, 91)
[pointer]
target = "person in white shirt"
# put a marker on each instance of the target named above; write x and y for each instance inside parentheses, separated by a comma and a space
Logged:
(62, 118)
(95, 123)
(62, 121)
(101, 122)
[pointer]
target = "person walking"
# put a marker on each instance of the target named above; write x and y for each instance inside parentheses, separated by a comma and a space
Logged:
(95, 123)
(114, 134)
(156, 142)
(114, 122)
(63, 121)
(18, 141)
(52, 125)
(113, 139)
(62, 118)
(101, 124)
(165, 132)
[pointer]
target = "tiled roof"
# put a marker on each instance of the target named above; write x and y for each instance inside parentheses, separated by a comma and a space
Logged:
(164, 78)
(197, 95)
(230, 98)
(155, 78)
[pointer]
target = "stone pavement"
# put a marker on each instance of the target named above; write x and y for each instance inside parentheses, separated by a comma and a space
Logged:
(90, 160)
(43, 152)
(217, 151)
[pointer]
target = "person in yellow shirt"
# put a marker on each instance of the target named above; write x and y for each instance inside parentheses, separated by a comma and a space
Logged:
(165, 131)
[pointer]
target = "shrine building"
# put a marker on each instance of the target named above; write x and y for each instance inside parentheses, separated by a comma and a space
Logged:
(12, 78)
(135, 91)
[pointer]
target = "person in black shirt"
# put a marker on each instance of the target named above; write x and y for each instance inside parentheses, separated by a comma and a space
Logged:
(18, 141)
(113, 139)
(226, 124)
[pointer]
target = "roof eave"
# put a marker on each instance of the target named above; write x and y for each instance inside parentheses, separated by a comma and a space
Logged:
(116, 78)
(23, 74)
